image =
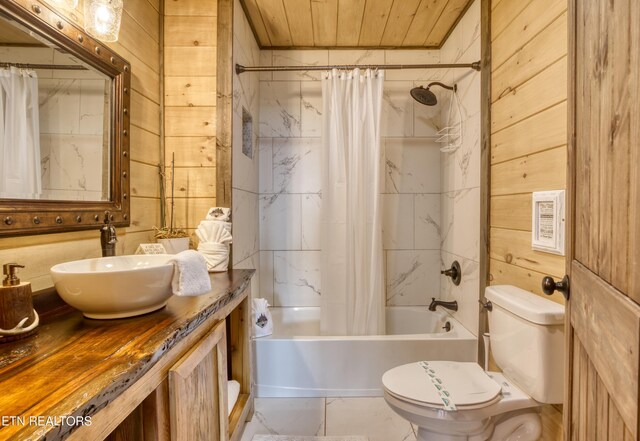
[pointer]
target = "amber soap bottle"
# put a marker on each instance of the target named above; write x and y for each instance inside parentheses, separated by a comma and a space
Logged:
(18, 319)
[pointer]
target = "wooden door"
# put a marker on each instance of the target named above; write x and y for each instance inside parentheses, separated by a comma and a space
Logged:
(198, 391)
(603, 313)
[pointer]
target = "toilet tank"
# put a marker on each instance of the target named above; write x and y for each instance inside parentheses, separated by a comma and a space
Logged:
(527, 341)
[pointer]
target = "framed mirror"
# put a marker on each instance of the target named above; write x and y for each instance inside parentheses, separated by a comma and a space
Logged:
(64, 125)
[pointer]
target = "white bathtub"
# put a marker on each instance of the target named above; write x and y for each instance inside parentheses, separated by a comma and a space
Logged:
(296, 362)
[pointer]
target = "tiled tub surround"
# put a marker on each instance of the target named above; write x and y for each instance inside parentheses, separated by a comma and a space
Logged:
(293, 361)
(246, 92)
(460, 174)
(290, 201)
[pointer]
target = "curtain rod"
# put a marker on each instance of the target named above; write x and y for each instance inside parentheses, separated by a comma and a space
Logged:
(240, 68)
(44, 66)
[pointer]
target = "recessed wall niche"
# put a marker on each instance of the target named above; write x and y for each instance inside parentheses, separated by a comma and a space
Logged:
(247, 133)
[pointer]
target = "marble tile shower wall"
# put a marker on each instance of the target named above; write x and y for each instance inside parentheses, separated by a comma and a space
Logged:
(290, 182)
(460, 200)
(246, 91)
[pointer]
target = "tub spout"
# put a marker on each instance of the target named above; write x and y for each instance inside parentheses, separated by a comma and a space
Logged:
(449, 305)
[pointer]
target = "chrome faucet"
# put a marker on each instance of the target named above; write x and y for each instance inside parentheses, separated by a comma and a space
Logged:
(449, 305)
(108, 237)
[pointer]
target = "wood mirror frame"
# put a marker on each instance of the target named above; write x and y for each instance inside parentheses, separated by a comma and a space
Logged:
(21, 216)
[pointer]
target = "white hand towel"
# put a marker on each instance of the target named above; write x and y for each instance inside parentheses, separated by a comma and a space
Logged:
(219, 213)
(190, 275)
(233, 391)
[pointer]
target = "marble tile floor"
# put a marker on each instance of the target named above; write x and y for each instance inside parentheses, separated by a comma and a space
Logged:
(343, 418)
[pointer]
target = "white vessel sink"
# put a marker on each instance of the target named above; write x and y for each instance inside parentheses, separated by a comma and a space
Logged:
(115, 287)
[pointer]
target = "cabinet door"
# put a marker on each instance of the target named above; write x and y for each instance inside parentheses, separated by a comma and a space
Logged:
(198, 390)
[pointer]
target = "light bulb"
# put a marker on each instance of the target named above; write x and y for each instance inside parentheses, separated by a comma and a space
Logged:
(102, 18)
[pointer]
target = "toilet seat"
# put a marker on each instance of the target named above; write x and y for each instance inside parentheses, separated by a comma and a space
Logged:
(447, 385)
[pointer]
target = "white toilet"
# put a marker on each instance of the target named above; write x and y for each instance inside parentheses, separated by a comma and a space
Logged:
(455, 401)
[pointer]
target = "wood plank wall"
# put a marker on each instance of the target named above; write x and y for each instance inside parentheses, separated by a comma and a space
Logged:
(528, 142)
(190, 106)
(528, 133)
(139, 43)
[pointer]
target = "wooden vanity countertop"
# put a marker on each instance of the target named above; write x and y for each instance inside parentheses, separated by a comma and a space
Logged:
(76, 366)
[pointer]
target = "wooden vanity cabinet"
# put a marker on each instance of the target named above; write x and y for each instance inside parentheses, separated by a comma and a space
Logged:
(190, 401)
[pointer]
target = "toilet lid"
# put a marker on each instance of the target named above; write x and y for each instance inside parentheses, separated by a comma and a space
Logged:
(448, 384)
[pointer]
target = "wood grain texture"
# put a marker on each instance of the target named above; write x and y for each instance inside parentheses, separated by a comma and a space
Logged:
(485, 166)
(325, 22)
(526, 137)
(452, 14)
(190, 211)
(400, 18)
(535, 17)
(352, 23)
(194, 389)
(250, 8)
(504, 13)
(512, 211)
(514, 248)
(190, 121)
(192, 151)
(423, 22)
(155, 414)
(194, 8)
(185, 30)
(144, 147)
(612, 324)
(224, 103)
(300, 21)
(503, 273)
(131, 429)
(190, 91)
(191, 182)
(540, 171)
(274, 17)
(105, 369)
(536, 55)
(374, 19)
(183, 61)
(541, 92)
(604, 315)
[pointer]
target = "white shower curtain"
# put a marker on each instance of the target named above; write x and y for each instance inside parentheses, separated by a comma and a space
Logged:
(20, 169)
(352, 276)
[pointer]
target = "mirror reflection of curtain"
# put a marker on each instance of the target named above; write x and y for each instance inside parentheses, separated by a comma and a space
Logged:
(20, 169)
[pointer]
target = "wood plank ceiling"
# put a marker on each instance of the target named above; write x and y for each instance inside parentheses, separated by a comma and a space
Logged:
(288, 24)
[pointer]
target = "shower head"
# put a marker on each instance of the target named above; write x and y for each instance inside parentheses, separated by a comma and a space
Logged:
(425, 96)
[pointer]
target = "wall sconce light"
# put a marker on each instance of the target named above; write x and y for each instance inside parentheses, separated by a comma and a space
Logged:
(102, 18)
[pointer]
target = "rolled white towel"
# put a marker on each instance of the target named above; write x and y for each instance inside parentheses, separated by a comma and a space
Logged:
(190, 275)
(233, 391)
(213, 231)
(216, 255)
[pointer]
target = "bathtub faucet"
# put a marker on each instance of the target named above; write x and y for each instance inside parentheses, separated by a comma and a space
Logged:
(449, 305)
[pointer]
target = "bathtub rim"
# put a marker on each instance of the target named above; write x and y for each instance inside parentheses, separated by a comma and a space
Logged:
(458, 332)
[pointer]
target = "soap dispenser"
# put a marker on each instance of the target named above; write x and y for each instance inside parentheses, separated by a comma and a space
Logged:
(18, 319)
